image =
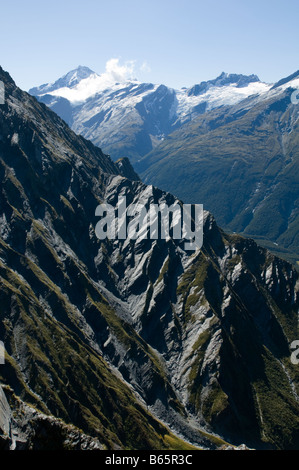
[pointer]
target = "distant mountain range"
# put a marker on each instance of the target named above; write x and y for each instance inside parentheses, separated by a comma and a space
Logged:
(242, 162)
(230, 143)
(131, 118)
(130, 344)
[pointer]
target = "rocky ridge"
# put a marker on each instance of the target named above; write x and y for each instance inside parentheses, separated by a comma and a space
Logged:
(139, 343)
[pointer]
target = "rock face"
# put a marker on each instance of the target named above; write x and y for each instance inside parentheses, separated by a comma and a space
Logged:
(125, 169)
(128, 339)
(5, 420)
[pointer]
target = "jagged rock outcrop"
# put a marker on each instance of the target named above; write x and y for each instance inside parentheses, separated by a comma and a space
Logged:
(125, 169)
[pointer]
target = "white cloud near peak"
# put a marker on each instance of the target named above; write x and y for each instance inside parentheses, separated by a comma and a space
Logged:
(119, 73)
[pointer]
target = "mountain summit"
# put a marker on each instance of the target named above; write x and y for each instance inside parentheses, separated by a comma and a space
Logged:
(69, 80)
(224, 79)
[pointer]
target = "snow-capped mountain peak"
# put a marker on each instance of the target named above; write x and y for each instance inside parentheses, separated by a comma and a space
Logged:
(223, 80)
(74, 77)
(84, 89)
(226, 89)
(69, 80)
(80, 84)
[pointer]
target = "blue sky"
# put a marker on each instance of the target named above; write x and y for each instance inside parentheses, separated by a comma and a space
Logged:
(175, 42)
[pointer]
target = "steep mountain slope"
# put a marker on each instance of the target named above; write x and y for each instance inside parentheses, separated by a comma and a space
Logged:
(128, 119)
(123, 337)
(242, 163)
(50, 186)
